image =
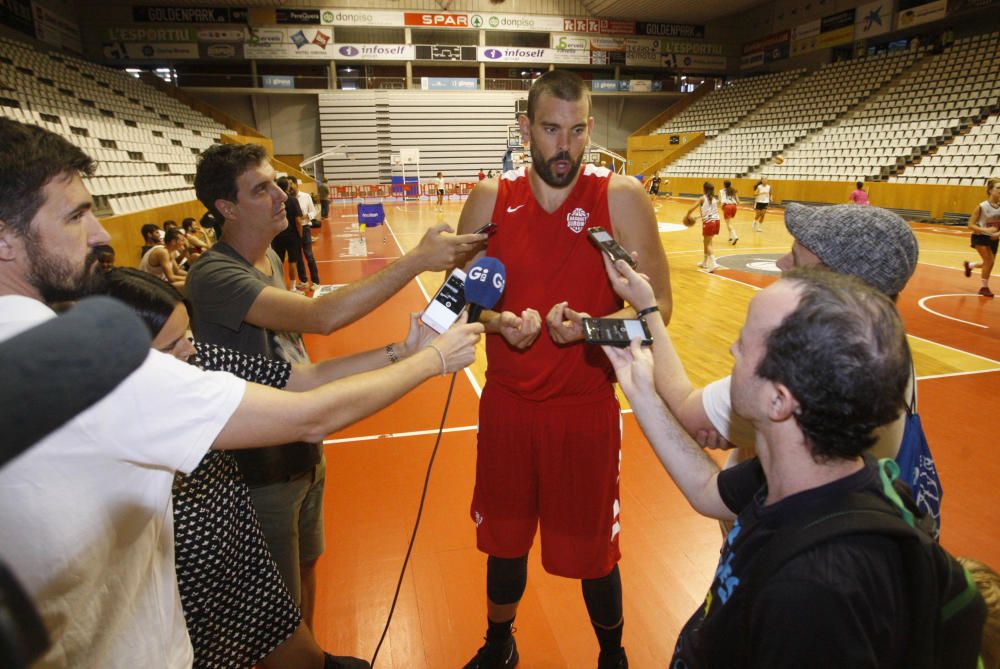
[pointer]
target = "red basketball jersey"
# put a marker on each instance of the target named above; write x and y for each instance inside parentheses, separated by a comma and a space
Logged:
(550, 259)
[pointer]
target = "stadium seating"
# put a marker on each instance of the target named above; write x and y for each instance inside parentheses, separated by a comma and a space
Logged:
(802, 109)
(723, 108)
(908, 117)
(146, 143)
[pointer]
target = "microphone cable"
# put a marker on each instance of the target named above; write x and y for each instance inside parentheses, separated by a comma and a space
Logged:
(416, 523)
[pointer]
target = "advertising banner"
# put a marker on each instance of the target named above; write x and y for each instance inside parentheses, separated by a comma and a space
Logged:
(872, 19)
(600, 26)
(642, 52)
(777, 52)
(160, 14)
(53, 28)
(610, 85)
(152, 34)
(752, 60)
(288, 43)
(669, 30)
(565, 42)
(151, 51)
(956, 6)
(806, 30)
(831, 22)
(17, 14)
(371, 51)
(368, 18)
(444, 52)
(768, 42)
(701, 48)
(835, 37)
(422, 20)
(277, 81)
(687, 62)
(829, 31)
(912, 15)
(516, 22)
(176, 42)
(513, 54)
(297, 16)
(449, 83)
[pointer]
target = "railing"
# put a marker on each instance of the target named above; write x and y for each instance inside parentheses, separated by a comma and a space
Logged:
(318, 82)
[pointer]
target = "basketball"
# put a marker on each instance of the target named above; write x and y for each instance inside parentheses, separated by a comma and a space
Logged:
(779, 160)
(689, 221)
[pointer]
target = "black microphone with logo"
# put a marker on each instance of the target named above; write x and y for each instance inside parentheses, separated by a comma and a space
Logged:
(484, 285)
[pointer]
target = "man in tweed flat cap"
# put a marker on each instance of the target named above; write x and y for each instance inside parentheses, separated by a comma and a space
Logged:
(871, 243)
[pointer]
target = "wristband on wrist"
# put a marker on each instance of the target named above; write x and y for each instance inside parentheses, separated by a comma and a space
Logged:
(390, 352)
(444, 363)
(648, 310)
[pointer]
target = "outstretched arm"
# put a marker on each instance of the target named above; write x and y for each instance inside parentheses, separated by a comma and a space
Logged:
(307, 377)
(634, 224)
(688, 465)
(671, 379)
(520, 330)
(282, 310)
(266, 416)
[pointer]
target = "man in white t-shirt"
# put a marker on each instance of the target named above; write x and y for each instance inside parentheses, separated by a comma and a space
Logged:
(85, 514)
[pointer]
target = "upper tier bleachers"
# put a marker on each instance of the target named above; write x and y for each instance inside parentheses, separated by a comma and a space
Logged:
(724, 107)
(804, 108)
(920, 119)
(146, 142)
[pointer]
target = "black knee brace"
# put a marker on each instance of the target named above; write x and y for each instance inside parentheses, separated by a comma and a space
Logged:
(506, 579)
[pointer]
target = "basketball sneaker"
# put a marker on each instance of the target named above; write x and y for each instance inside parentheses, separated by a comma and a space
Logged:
(344, 662)
(985, 292)
(616, 660)
(967, 266)
(500, 655)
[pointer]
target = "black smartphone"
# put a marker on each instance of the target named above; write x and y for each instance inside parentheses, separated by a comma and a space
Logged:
(605, 242)
(615, 331)
(487, 229)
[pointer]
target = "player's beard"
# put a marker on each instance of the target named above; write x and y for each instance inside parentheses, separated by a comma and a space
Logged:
(55, 278)
(543, 168)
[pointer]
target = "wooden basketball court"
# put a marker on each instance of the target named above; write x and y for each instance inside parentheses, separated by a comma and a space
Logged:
(376, 468)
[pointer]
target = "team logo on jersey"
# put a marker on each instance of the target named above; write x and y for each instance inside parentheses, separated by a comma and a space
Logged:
(577, 219)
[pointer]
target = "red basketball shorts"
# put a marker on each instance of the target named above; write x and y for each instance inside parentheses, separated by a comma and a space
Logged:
(709, 228)
(729, 210)
(553, 465)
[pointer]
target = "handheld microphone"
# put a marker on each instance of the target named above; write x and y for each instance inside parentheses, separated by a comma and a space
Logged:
(484, 285)
(63, 366)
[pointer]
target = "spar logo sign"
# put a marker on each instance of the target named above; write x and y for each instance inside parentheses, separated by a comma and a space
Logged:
(435, 20)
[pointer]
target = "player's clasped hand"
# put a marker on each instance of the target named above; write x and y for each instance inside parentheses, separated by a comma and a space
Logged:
(565, 324)
(520, 331)
(442, 251)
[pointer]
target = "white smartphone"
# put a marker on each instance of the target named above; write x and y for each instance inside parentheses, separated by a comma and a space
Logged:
(447, 304)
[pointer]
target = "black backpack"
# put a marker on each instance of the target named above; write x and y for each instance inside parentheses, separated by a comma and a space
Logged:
(946, 609)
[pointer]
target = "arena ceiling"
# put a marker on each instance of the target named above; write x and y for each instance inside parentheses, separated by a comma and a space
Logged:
(666, 11)
(669, 11)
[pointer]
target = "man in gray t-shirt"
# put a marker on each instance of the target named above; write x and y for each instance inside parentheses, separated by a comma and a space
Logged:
(238, 300)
